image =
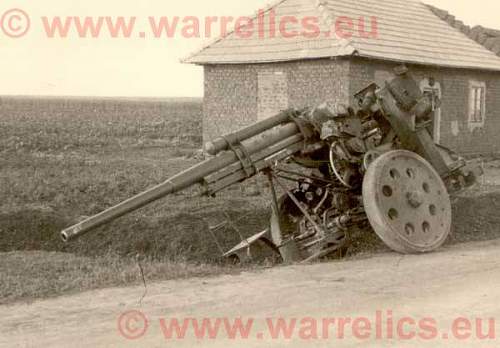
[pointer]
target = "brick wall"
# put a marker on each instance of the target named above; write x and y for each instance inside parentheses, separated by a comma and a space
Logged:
(455, 130)
(233, 98)
(230, 100)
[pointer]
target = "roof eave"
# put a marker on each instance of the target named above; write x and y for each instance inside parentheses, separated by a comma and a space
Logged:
(435, 65)
(264, 61)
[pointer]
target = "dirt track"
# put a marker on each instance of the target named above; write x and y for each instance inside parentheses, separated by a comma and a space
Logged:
(462, 280)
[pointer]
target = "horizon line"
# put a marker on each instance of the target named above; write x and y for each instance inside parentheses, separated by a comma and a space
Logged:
(54, 96)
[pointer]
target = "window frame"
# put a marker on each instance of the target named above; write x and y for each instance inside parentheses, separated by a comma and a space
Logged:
(477, 102)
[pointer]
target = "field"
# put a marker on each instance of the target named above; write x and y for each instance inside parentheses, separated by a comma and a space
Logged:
(61, 160)
(64, 159)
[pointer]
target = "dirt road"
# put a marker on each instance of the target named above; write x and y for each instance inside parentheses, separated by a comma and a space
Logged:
(460, 281)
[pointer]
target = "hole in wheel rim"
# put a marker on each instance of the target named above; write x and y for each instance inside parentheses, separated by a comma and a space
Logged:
(409, 229)
(394, 174)
(426, 187)
(393, 214)
(433, 210)
(410, 172)
(387, 191)
(426, 227)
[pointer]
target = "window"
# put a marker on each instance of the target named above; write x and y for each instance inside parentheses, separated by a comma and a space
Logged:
(477, 102)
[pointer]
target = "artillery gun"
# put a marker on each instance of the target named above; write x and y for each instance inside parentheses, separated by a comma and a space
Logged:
(351, 168)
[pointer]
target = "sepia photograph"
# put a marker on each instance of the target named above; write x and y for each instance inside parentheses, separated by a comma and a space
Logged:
(265, 173)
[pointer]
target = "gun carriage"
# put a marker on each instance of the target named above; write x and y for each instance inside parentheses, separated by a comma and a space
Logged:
(370, 166)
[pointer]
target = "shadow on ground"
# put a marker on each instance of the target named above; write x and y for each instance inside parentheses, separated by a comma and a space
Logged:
(185, 236)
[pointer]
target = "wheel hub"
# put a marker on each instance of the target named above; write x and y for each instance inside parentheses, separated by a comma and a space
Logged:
(406, 202)
(415, 199)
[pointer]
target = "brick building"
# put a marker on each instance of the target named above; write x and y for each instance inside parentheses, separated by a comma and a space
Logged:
(248, 78)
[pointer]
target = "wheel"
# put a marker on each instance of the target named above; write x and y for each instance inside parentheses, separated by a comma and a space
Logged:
(407, 203)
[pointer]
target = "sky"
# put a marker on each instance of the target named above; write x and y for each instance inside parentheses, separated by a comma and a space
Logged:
(143, 66)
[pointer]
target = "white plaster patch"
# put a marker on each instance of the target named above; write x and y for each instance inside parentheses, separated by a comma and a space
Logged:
(455, 128)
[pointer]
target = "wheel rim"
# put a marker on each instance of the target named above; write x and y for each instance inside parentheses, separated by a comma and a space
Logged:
(407, 202)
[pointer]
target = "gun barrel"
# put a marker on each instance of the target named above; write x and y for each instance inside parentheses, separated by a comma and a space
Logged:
(182, 181)
(223, 143)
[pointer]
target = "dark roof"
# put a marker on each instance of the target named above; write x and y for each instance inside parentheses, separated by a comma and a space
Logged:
(408, 31)
(488, 38)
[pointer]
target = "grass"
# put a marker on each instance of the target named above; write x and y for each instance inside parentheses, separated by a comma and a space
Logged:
(27, 276)
(80, 155)
(63, 159)
(58, 126)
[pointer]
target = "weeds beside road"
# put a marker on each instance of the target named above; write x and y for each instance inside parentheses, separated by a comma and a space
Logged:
(33, 275)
